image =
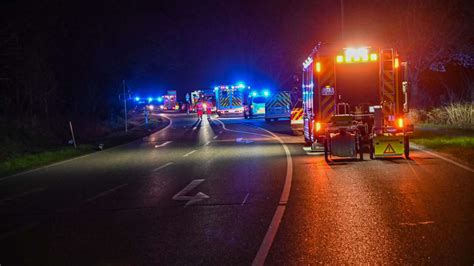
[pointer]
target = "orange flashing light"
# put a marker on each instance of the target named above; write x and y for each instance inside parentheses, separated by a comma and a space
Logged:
(318, 126)
(339, 58)
(396, 64)
(400, 122)
(318, 67)
(373, 57)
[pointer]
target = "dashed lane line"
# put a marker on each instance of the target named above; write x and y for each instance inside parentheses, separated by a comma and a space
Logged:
(189, 153)
(163, 166)
(23, 194)
(105, 193)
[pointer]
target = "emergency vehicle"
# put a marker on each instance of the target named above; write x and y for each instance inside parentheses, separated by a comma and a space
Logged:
(170, 102)
(254, 103)
(229, 99)
(278, 106)
(355, 100)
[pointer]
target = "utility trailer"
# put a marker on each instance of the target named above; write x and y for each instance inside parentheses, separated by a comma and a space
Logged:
(355, 100)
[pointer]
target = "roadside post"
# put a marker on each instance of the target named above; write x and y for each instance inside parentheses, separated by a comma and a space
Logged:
(72, 135)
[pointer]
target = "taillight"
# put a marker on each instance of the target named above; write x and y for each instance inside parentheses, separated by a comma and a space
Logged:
(400, 122)
(318, 126)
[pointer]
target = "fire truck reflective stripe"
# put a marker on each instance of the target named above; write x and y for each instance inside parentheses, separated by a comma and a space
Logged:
(296, 114)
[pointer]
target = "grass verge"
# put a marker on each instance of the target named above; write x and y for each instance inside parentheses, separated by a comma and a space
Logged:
(453, 141)
(23, 161)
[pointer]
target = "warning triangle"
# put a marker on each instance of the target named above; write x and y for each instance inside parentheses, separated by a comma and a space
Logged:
(389, 149)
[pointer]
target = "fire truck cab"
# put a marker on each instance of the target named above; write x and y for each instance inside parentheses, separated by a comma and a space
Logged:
(355, 100)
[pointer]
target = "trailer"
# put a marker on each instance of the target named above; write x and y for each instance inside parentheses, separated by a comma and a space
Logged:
(355, 101)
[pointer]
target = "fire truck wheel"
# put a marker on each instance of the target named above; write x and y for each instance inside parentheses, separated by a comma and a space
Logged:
(326, 151)
(406, 145)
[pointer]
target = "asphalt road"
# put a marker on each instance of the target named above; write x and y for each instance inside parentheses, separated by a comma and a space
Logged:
(218, 192)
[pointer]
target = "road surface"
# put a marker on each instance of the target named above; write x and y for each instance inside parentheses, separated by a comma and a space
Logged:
(235, 191)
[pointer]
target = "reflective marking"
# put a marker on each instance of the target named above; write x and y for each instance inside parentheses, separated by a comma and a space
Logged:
(38, 189)
(181, 195)
(275, 223)
(245, 199)
(207, 143)
(215, 137)
(189, 153)
(164, 144)
(105, 193)
(163, 166)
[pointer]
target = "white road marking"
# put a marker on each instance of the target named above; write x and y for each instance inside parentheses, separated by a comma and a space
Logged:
(242, 140)
(181, 195)
(21, 229)
(163, 166)
(194, 128)
(23, 194)
(275, 223)
(207, 143)
(422, 149)
(245, 199)
(215, 137)
(164, 144)
(238, 131)
(105, 193)
(189, 153)
(419, 223)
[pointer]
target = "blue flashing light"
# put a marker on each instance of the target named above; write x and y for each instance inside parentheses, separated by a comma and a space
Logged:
(216, 88)
(266, 93)
(137, 99)
(254, 93)
(150, 99)
(159, 99)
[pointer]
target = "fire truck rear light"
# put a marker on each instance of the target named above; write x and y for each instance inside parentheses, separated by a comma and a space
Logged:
(400, 122)
(318, 67)
(396, 64)
(318, 126)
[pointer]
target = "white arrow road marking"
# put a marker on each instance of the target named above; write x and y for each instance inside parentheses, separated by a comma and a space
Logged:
(162, 145)
(189, 153)
(163, 166)
(181, 195)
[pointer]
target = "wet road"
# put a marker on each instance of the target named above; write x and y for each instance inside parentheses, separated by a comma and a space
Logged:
(214, 193)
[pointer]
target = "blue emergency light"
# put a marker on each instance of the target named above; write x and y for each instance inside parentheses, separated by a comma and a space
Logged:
(137, 99)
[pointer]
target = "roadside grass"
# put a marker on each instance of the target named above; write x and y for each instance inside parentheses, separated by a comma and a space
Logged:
(23, 160)
(457, 142)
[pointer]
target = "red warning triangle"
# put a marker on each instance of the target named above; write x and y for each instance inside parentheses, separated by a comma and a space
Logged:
(389, 149)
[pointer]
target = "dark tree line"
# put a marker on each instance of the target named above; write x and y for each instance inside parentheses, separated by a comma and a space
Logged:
(65, 60)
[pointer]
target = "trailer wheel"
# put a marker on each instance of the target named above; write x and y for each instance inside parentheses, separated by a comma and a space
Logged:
(326, 151)
(406, 145)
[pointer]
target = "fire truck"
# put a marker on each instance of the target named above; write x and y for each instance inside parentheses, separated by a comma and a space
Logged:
(355, 100)
(170, 102)
(229, 99)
